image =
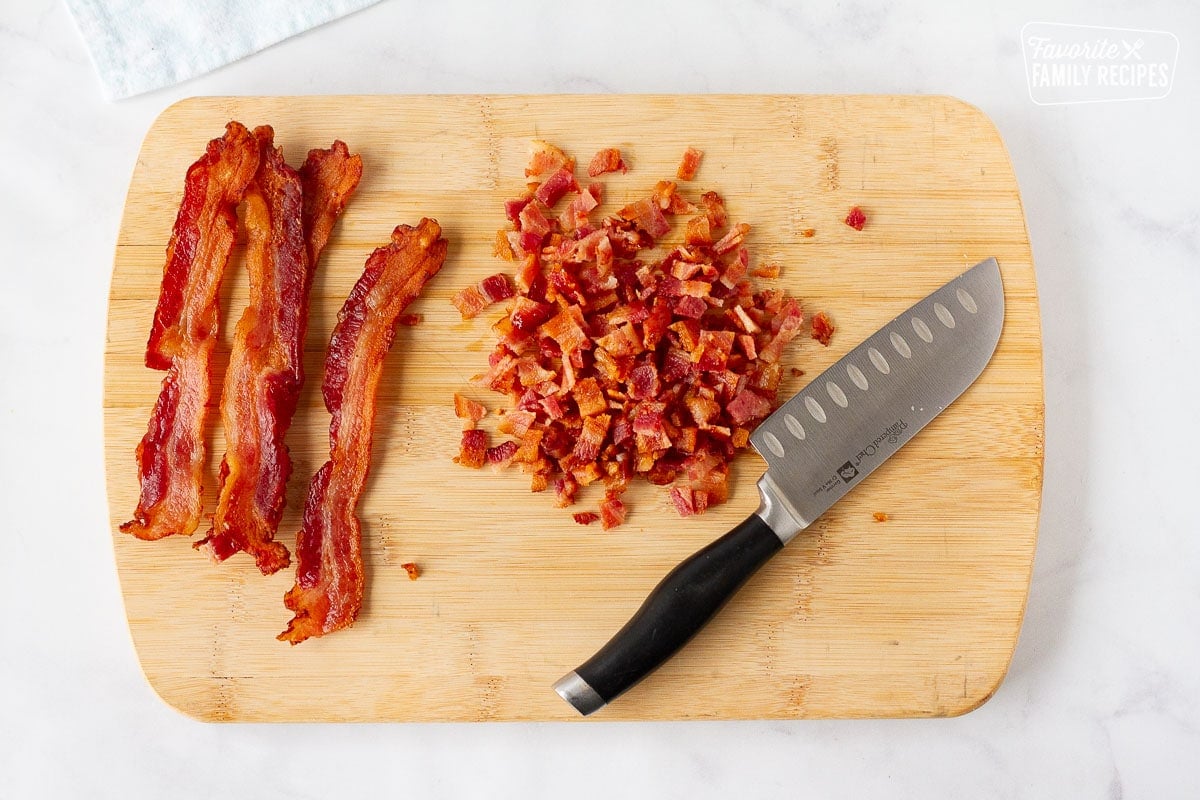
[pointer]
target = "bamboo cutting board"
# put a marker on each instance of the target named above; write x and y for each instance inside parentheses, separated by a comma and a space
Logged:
(917, 616)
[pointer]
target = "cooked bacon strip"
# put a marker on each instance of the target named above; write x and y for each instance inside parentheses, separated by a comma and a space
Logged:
(329, 571)
(288, 218)
(171, 454)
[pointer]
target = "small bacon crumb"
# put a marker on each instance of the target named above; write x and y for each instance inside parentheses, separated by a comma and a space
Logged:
(796, 372)
(412, 569)
(410, 319)
(880, 516)
(607, 160)
(765, 271)
(856, 218)
(822, 328)
(586, 517)
(687, 167)
(808, 233)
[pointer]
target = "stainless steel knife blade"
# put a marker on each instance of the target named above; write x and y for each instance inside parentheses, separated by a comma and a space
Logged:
(818, 446)
(853, 416)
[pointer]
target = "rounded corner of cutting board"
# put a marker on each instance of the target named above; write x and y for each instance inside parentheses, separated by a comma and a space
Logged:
(178, 659)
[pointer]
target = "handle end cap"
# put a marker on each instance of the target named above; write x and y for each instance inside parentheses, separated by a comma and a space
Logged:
(576, 691)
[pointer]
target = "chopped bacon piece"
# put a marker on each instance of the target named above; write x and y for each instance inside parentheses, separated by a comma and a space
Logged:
(410, 320)
(856, 218)
(533, 221)
(470, 410)
(503, 247)
(565, 489)
(713, 350)
(586, 517)
(591, 438)
(607, 160)
(808, 233)
(647, 215)
(412, 569)
(589, 398)
(699, 231)
(681, 498)
(564, 328)
(612, 511)
(471, 300)
(765, 271)
(689, 164)
(514, 207)
(289, 217)
(736, 235)
(554, 187)
(183, 334)
(545, 157)
(502, 454)
(517, 422)
(575, 215)
(644, 383)
(528, 272)
(747, 406)
(789, 319)
(879, 516)
(714, 209)
(822, 328)
(496, 287)
(329, 584)
(668, 198)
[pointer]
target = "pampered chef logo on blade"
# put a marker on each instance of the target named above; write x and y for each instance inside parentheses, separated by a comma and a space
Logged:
(850, 470)
(1089, 64)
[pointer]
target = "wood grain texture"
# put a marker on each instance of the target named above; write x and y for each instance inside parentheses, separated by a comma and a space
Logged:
(917, 616)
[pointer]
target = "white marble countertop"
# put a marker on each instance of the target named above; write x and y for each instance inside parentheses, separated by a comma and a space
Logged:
(1103, 697)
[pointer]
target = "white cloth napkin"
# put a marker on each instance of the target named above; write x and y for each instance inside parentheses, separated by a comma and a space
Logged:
(139, 45)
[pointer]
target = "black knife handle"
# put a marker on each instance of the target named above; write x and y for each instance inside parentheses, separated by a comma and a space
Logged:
(675, 610)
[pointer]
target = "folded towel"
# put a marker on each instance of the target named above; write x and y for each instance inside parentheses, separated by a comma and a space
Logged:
(139, 45)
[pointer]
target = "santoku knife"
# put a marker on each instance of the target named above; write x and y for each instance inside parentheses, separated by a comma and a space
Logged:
(818, 446)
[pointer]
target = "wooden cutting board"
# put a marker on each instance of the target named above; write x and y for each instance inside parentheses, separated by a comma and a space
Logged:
(917, 616)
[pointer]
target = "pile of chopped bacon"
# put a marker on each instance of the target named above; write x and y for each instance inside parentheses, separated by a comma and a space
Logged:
(618, 365)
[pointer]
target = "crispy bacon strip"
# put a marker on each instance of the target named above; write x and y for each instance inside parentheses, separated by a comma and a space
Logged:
(266, 370)
(171, 454)
(329, 571)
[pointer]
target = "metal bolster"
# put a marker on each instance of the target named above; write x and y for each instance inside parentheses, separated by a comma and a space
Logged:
(774, 510)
